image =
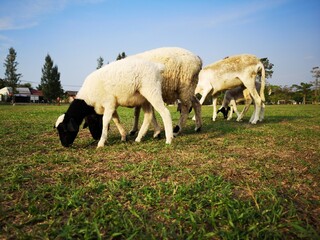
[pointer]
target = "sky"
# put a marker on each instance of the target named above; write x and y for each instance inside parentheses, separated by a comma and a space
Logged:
(75, 33)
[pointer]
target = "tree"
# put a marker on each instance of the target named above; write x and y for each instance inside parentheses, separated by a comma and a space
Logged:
(267, 66)
(304, 89)
(27, 85)
(50, 80)
(100, 62)
(121, 56)
(11, 76)
(316, 74)
(2, 83)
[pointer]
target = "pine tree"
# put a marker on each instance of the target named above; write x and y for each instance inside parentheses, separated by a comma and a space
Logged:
(11, 76)
(100, 62)
(2, 83)
(50, 80)
(121, 56)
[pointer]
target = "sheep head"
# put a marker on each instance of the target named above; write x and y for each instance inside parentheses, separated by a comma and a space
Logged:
(224, 111)
(67, 128)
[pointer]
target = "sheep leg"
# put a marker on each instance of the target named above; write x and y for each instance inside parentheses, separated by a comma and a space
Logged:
(183, 118)
(230, 111)
(203, 97)
(245, 109)
(107, 115)
(122, 131)
(257, 103)
(214, 105)
(156, 126)
(135, 121)
(233, 107)
(147, 108)
(253, 114)
(155, 99)
(166, 118)
(261, 117)
(197, 110)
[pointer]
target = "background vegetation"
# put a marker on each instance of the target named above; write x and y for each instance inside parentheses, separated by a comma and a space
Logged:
(232, 180)
(52, 87)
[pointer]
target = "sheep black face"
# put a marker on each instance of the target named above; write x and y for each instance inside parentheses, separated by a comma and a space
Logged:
(94, 122)
(68, 130)
(224, 111)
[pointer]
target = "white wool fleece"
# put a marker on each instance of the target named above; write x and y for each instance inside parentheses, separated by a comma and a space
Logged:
(112, 83)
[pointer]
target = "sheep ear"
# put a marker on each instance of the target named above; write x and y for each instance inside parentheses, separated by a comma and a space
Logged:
(73, 126)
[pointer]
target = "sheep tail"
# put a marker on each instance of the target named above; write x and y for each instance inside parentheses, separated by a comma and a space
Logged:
(263, 81)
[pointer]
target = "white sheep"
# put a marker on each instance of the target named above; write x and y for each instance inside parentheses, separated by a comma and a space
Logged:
(229, 73)
(180, 78)
(128, 82)
(236, 95)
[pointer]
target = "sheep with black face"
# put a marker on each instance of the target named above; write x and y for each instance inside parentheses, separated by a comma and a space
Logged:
(128, 82)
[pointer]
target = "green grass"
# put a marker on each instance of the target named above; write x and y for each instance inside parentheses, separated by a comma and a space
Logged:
(230, 181)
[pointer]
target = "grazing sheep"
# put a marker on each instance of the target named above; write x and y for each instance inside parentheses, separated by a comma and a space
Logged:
(180, 79)
(128, 82)
(238, 94)
(229, 73)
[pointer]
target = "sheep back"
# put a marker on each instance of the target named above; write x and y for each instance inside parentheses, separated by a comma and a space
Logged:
(233, 64)
(119, 82)
(180, 76)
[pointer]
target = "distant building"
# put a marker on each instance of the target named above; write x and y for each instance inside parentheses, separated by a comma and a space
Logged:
(36, 96)
(23, 95)
(70, 95)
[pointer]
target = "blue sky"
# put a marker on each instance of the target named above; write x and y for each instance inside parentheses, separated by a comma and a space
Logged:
(77, 32)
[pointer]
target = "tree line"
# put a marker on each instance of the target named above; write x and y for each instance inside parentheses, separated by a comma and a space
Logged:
(306, 92)
(50, 83)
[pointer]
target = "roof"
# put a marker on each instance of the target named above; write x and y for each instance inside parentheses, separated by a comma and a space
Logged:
(71, 93)
(36, 92)
(23, 91)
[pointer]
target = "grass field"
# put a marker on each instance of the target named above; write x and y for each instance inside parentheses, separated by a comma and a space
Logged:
(230, 181)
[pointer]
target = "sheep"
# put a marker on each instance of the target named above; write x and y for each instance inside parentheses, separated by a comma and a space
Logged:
(238, 94)
(229, 73)
(180, 79)
(128, 82)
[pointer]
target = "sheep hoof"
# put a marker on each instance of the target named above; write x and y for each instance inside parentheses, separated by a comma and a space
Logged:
(124, 138)
(176, 129)
(100, 144)
(156, 135)
(132, 132)
(198, 129)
